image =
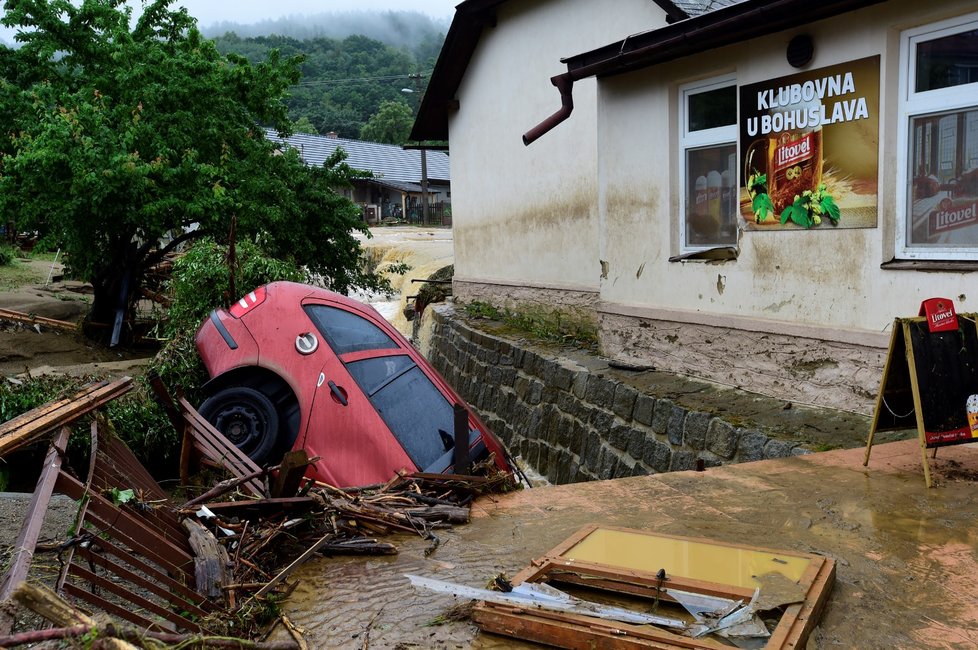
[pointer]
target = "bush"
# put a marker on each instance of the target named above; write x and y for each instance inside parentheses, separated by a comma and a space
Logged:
(6, 255)
(201, 280)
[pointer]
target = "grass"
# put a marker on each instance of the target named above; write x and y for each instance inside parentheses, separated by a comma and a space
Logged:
(552, 326)
(19, 273)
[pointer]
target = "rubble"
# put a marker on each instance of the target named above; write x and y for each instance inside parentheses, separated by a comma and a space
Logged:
(204, 568)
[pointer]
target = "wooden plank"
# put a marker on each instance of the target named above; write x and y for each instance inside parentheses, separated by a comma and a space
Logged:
(210, 559)
(295, 564)
(31, 426)
(23, 550)
(117, 610)
(172, 555)
(581, 632)
(132, 599)
(215, 446)
(290, 473)
(918, 407)
(31, 319)
(255, 508)
(167, 589)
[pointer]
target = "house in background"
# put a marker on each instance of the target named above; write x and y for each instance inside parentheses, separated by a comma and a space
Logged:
(747, 192)
(402, 178)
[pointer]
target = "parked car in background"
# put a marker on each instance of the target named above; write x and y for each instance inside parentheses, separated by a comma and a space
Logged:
(298, 367)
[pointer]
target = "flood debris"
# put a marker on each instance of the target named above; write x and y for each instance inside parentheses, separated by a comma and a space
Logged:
(702, 590)
(192, 572)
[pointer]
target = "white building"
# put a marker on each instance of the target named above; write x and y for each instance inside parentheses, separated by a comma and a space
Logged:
(640, 205)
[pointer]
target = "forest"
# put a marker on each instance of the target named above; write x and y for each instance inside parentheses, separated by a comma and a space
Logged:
(383, 62)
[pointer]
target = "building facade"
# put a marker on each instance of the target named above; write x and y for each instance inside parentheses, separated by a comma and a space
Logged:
(774, 181)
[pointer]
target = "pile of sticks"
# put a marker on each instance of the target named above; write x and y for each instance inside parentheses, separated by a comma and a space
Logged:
(266, 539)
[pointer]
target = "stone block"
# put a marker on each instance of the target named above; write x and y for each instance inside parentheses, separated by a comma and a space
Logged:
(644, 406)
(661, 415)
(682, 460)
(561, 376)
(579, 385)
(602, 421)
(721, 438)
(624, 401)
(694, 430)
(778, 448)
(800, 451)
(656, 455)
(592, 451)
(674, 430)
(536, 392)
(577, 433)
(636, 442)
(750, 447)
(600, 392)
(620, 436)
(709, 459)
(639, 470)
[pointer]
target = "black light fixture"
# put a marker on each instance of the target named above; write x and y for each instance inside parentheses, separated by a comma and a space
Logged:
(801, 48)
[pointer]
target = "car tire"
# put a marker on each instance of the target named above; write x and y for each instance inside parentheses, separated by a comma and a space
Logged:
(247, 418)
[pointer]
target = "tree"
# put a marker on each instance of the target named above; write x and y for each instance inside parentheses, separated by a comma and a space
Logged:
(124, 142)
(303, 125)
(391, 124)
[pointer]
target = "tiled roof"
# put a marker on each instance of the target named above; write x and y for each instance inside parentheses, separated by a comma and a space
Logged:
(700, 7)
(386, 161)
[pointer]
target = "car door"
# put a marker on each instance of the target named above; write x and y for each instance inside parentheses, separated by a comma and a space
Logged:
(399, 415)
(353, 442)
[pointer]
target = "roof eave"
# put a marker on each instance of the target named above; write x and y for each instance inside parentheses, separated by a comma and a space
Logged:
(460, 43)
(725, 26)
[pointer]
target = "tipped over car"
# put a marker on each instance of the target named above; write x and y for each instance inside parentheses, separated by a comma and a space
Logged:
(294, 366)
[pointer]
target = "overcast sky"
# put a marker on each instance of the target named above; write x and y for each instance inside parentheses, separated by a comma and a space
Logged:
(208, 12)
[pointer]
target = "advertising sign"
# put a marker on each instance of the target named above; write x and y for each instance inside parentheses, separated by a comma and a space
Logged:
(809, 146)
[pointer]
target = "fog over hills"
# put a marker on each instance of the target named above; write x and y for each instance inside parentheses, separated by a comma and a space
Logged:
(397, 28)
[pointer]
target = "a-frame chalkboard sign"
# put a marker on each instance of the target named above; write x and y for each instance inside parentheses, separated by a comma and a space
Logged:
(927, 380)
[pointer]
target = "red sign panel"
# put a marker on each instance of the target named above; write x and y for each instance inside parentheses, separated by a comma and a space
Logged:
(940, 314)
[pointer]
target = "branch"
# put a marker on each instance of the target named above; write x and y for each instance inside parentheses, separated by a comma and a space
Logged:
(136, 636)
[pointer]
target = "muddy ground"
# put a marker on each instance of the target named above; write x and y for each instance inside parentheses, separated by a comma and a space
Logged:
(23, 349)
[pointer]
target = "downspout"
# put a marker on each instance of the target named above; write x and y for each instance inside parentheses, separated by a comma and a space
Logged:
(565, 84)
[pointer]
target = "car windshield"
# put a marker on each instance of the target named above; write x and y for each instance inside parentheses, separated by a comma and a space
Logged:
(347, 332)
(416, 412)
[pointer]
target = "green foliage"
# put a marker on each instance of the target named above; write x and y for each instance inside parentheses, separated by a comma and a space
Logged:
(6, 255)
(201, 280)
(344, 81)
(809, 207)
(120, 136)
(33, 392)
(549, 325)
(391, 124)
(303, 125)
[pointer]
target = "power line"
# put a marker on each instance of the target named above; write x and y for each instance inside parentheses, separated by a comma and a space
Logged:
(327, 82)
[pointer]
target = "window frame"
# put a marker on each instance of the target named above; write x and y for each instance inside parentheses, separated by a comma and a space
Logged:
(916, 104)
(717, 136)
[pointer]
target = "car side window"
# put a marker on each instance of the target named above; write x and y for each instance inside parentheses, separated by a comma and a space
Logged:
(409, 403)
(347, 332)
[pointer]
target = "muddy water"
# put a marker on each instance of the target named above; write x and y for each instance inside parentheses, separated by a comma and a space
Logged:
(424, 250)
(906, 557)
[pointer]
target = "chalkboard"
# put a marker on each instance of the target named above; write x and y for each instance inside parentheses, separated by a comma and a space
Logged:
(927, 380)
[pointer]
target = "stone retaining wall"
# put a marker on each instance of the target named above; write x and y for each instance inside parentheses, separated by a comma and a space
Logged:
(571, 423)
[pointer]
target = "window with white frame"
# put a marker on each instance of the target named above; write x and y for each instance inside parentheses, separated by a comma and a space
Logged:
(709, 198)
(938, 141)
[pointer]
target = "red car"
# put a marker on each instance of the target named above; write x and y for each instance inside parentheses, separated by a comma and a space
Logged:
(298, 367)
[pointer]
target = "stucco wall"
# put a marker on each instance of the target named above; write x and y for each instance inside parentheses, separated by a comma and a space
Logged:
(529, 214)
(802, 315)
(826, 277)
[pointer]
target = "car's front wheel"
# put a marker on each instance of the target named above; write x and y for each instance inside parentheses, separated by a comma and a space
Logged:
(246, 417)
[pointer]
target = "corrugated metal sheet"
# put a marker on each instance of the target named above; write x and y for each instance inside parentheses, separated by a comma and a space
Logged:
(386, 161)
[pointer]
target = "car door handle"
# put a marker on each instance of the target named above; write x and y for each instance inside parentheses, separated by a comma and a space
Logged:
(338, 393)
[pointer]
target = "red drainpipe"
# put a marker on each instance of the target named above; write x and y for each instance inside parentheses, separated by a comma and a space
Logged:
(565, 84)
